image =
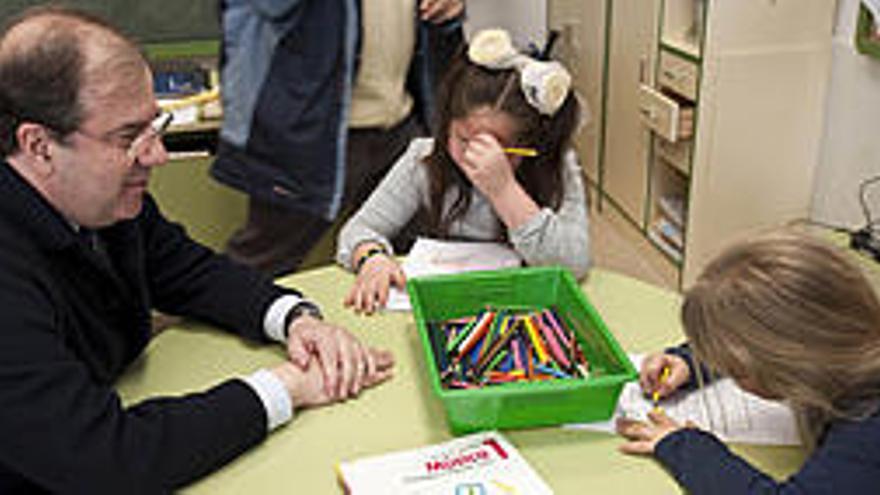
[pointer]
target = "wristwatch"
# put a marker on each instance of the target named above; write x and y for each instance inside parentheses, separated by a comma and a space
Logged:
(299, 309)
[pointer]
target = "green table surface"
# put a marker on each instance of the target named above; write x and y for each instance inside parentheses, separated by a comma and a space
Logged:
(402, 413)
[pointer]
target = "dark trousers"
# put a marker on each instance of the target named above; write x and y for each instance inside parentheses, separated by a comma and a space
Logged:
(276, 241)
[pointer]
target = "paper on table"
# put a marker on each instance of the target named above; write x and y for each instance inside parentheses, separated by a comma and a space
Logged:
(433, 257)
(482, 463)
(721, 407)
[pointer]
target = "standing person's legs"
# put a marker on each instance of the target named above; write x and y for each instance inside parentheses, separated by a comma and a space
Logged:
(276, 241)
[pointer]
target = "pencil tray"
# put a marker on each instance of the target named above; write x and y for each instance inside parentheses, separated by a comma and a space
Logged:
(530, 404)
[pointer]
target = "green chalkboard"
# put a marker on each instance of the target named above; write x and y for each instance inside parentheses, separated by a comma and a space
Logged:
(148, 21)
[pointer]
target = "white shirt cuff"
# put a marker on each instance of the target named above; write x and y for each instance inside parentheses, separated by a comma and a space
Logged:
(273, 394)
(273, 322)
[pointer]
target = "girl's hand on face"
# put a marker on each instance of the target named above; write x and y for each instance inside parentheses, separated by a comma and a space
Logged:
(487, 166)
(375, 278)
(643, 437)
(652, 371)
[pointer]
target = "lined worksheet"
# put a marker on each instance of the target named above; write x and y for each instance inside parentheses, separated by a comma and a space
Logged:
(722, 407)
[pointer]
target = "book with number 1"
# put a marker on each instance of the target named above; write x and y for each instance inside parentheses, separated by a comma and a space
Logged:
(484, 463)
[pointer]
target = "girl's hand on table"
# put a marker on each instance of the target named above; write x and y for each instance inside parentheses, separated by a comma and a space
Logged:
(643, 436)
(374, 280)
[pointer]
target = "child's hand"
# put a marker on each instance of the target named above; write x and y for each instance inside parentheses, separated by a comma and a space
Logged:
(642, 436)
(375, 278)
(652, 370)
(487, 166)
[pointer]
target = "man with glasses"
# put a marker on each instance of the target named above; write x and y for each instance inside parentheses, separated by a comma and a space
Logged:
(85, 254)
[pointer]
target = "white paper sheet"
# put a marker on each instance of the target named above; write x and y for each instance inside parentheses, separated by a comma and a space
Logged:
(433, 257)
(723, 408)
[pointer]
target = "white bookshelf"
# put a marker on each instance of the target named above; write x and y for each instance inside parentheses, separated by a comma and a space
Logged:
(718, 103)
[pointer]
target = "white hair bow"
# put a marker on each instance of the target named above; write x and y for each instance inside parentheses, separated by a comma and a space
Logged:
(544, 84)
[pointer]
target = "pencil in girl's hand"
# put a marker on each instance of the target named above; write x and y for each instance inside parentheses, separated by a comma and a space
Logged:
(527, 152)
(655, 397)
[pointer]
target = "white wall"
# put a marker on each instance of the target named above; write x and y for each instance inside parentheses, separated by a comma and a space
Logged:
(850, 150)
(525, 19)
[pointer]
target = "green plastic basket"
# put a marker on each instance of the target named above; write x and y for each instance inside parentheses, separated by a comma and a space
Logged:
(521, 405)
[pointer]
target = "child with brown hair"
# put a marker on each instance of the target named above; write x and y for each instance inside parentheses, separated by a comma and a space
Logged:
(789, 318)
(471, 182)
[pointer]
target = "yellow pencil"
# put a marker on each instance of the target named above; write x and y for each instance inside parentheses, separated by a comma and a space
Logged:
(655, 397)
(527, 152)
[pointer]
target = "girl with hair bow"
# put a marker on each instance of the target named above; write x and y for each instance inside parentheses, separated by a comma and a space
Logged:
(500, 168)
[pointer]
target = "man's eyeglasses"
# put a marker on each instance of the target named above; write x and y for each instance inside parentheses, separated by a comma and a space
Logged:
(141, 143)
(157, 128)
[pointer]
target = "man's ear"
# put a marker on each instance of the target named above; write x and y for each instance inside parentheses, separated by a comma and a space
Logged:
(35, 142)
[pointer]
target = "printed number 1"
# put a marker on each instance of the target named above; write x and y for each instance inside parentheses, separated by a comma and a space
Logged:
(493, 444)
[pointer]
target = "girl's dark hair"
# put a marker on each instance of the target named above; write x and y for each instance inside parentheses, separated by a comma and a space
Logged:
(468, 87)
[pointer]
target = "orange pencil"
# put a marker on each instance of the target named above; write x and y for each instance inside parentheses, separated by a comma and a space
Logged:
(476, 334)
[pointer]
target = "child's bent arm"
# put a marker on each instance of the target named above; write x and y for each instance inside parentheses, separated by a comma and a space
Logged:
(845, 462)
(514, 206)
(558, 237)
(390, 207)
